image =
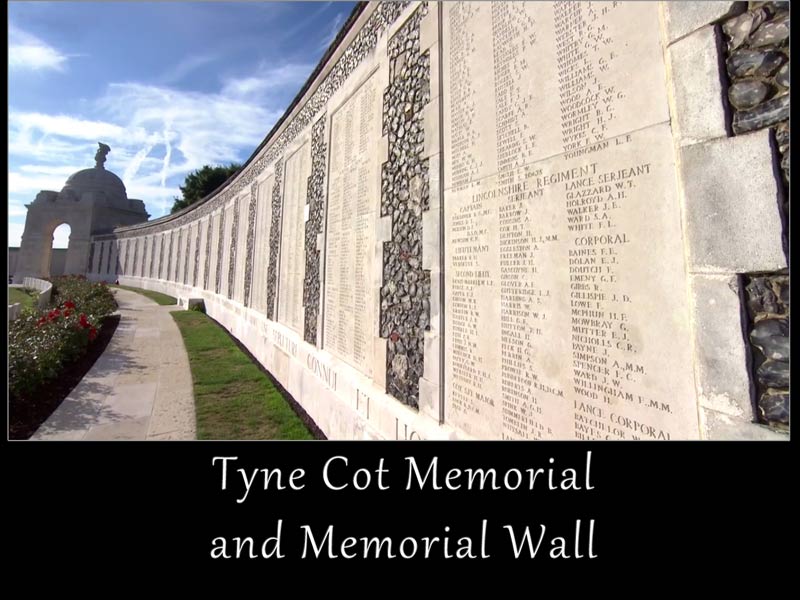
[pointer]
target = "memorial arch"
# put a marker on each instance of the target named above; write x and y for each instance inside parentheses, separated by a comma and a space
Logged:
(93, 201)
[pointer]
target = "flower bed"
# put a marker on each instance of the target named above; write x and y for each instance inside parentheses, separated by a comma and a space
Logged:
(42, 343)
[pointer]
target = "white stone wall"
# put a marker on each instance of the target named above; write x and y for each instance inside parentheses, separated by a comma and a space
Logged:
(261, 254)
(241, 249)
(226, 250)
(697, 218)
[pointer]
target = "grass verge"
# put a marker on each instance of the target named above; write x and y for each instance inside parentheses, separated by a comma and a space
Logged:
(25, 297)
(234, 399)
(158, 297)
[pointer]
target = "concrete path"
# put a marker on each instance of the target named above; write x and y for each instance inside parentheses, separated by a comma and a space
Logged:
(139, 389)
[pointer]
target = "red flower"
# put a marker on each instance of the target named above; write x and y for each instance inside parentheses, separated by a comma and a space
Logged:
(54, 314)
(92, 334)
(69, 304)
(41, 322)
(84, 322)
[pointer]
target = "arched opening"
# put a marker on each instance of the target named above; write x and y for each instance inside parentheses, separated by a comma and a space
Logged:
(59, 249)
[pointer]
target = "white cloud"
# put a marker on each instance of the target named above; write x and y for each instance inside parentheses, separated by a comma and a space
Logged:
(70, 127)
(186, 66)
(267, 80)
(246, 86)
(30, 185)
(30, 144)
(139, 159)
(15, 209)
(159, 198)
(333, 30)
(157, 134)
(294, 30)
(61, 236)
(66, 171)
(27, 52)
(168, 134)
(204, 128)
(15, 231)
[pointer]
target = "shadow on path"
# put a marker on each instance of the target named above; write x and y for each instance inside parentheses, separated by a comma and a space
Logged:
(140, 388)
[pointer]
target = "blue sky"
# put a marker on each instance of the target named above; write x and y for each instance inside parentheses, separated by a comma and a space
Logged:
(170, 86)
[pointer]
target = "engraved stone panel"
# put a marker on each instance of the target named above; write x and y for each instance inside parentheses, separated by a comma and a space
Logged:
(292, 257)
(146, 257)
(90, 262)
(176, 235)
(258, 292)
(167, 274)
(143, 258)
(178, 255)
(112, 251)
(166, 248)
(198, 228)
(187, 252)
(531, 80)
(122, 257)
(155, 256)
(153, 251)
(219, 244)
(240, 247)
(353, 204)
(135, 262)
(128, 257)
(227, 247)
(145, 251)
(163, 258)
(566, 315)
(252, 205)
(207, 259)
(100, 260)
(142, 245)
(160, 257)
(127, 253)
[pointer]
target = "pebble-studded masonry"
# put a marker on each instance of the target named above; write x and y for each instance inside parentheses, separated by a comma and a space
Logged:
(405, 193)
(757, 65)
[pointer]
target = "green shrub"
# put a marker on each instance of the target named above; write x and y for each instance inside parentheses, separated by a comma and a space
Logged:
(93, 298)
(40, 343)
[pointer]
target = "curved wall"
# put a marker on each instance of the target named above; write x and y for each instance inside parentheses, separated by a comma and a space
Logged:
(255, 250)
(491, 220)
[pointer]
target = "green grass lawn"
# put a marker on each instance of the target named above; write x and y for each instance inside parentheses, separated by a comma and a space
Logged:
(234, 399)
(162, 299)
(22, 295)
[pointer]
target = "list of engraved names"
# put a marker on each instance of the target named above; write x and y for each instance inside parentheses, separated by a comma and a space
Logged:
(566, 317)
(290, 300)
(353, 202)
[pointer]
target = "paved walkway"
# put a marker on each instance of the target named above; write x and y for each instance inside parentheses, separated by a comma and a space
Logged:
(139, 389)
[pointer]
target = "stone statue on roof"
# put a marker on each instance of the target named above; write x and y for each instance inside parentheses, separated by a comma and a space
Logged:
(100, 157)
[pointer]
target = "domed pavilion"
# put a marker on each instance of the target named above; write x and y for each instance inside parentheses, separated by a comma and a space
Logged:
(92, 202)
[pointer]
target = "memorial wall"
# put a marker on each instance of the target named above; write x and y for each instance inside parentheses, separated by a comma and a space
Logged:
(491, 220)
